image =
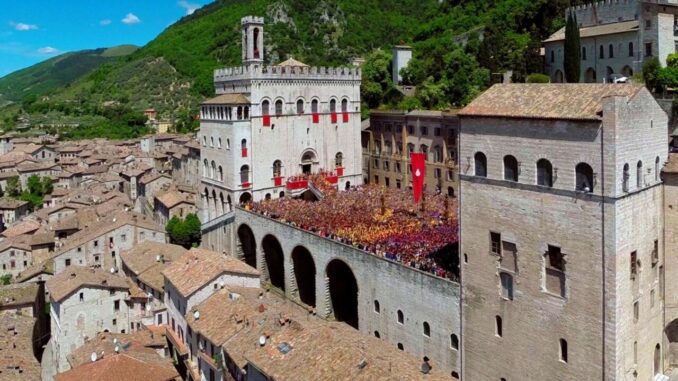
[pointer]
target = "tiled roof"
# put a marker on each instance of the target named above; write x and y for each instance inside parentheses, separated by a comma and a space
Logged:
(11, 203)
(137, 344)
(292, 62)
(573, 101)
(18, 294)
(227, 99)
(598, 30)
(46, 267)
(141, 260)
(173, 198)
(123, 366)
(23, 227)
(73, 278)
(197, 267)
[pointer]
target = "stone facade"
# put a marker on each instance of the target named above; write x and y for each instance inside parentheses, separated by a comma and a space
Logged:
(384, 288)
(597, 316)
(386, 159)
(617, 37)
(269, 123)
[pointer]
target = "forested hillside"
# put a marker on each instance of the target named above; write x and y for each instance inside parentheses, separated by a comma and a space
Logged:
(457, 45)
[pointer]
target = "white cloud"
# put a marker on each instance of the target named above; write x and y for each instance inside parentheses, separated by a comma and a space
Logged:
(130, 19)
(48, 50)
(105, 22)
(189, 7)
(23, 26)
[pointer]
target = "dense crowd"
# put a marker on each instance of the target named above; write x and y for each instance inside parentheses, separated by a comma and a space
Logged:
(380, 221)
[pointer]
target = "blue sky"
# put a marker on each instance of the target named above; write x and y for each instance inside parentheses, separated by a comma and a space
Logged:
(34, 30)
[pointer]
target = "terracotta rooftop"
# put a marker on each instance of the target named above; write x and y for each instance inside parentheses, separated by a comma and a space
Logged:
(197, 267)
(28, 148)
(75, 277)
(598, 30)
(141, 260)
(573, 101)
(23, 227)
(227, 99)
(292, 62)
(18, 294)
(173, 198)
(17, 361)
(11, 203)
(122, 366)
(46, 267)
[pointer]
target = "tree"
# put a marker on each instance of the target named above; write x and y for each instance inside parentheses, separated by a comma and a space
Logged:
(572, 61)
(651, 69)
(538, 78)
(6, 279)
(186, 233)
(13, 186)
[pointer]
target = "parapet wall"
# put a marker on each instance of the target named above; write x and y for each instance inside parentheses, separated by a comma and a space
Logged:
(287, 72)
(605, 12)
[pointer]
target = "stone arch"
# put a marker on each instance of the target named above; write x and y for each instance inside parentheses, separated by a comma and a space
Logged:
(275, 261)
(608, 74)
(627, 71)
(343, 289)
(590, 75)
(245, 198)
(247, 245)
(558, 77)
(304, 274)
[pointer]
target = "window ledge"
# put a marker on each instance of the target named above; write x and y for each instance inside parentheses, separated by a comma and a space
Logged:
(549, 293)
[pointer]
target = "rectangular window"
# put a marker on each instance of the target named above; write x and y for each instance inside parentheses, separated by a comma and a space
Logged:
(506, 281)
(636, 311)
(437, 173)
(554, 264)
(387, 181)
(436, 131)
(387, 166)
(495, 243)
(82, 296)
(648, 49)
(652, 298)
(633, 262)
(96, 243)
(398, 185)
(423, 130)
(655, 253)
(376, 179)
(410, 130)
(397, 167)
(115, 321)
(67, 262)
(648, 24)
(12, 264)
(450, 175)
(123, 237)
(376, 163)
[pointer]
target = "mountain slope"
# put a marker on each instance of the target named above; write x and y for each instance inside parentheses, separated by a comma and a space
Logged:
(56, 72)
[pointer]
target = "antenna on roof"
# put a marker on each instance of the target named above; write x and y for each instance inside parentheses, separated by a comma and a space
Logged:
(262, 340)
(93, 356)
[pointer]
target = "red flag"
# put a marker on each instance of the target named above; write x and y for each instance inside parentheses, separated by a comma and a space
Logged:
(418, 173)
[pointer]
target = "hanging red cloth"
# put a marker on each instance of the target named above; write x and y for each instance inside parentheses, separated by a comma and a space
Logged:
(418, 173)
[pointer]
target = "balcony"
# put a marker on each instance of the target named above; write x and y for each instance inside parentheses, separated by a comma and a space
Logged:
(277, 181)
(296, 184)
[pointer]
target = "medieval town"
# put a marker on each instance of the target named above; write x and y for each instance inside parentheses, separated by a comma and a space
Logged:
(501, 206)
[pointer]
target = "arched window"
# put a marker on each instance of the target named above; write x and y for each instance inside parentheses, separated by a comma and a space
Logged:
(657, 359)
(221, 174)
(544, 173)
(278, 107)
(314, 106)
(277, 168)
(610, 51)
(427, 329)
(584, 177)
(510, 168)
(213, 171)
(333, 105)
(300, 106)
(204, 141)
(454, 342)
(631, 52)
(401, 317)
(410, 148)
(583, 53)
(219, 143)
(377, 335)
(601, 52)
(338, 159)
(377, 307)
(499, 329)
(265, 105)
(438, 154)
(639, 174)
(247, 113)
(656, 169)
(480, 164)
(563, 350)
(344, 105)
(205, 168)
(553, 56)
(450, 191)
(228, 143)
(239, 112)
(211, 141)
(244, 174)
(424, 149)
(243, 143)
(626, 175)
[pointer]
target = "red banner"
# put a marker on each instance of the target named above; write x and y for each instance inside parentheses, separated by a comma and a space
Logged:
(418, 173)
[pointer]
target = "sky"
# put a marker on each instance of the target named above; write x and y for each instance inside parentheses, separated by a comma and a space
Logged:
(34, 30)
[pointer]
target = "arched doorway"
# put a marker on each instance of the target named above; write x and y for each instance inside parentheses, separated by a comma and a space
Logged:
(627, 71)
(657, 359)
(248, 245)
(304, 273)
(609, 71)
(590, 75)
(275, 261)
(343, 292)
(558, 77)
(245, 198)
(307, 160)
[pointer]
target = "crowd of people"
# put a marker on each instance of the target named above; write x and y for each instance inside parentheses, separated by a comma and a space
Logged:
(381, 221)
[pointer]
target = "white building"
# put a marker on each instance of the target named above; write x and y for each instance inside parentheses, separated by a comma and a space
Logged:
(84, 302)
(270, 123)
(616, 38)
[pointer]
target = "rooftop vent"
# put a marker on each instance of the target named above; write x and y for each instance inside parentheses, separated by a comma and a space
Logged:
(284, 347)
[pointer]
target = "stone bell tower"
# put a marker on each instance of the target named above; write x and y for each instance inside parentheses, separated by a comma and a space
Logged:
(252, 40)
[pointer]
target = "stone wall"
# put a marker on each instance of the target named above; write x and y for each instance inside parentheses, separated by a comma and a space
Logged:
(420, 296)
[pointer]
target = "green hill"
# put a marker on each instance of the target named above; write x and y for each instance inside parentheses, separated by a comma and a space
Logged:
(173, 73)
(56, 72)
